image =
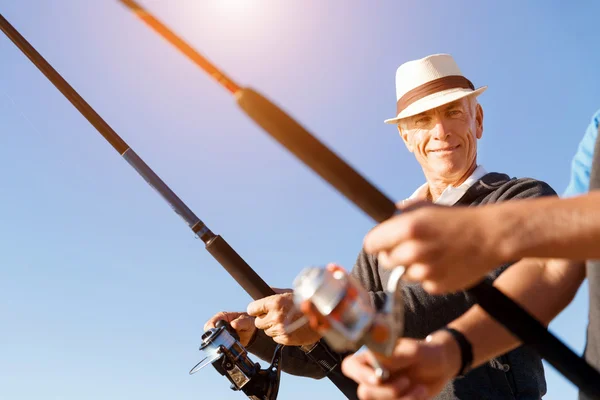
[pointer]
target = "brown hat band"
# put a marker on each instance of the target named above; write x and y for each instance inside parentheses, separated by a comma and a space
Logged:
(434, 86)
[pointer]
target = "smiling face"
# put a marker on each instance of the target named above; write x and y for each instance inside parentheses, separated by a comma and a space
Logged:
(444, 140)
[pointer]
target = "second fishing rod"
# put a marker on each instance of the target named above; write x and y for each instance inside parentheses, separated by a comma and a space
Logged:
(233, 263)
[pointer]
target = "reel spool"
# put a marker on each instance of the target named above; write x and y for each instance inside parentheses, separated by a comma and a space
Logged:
(221, 348)
(340, 309)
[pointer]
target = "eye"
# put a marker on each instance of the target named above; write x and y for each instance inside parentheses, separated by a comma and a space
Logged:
(422, 121)
(454, 113)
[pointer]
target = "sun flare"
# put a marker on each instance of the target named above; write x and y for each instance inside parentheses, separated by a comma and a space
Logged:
(235, 7)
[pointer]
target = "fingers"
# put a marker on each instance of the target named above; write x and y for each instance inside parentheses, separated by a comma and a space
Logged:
(401, 227)
(398, 389)
(433, 287)
(387, 234)
(405, 253)
(243, 323)
(399, 386)
(359, 369)
(223, 315)
(274, 323)
(405, 355)
(417, 273)
(244, 326)
(268, 321)
(271, 312)
(258, 307)
(279, 302)
(422, 260)
(262, 322)
(360, 366)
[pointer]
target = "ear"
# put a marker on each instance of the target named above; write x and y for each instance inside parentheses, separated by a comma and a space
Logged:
(479, 121)
(404, 137)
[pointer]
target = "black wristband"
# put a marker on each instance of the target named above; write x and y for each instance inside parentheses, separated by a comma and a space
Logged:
(466, 350)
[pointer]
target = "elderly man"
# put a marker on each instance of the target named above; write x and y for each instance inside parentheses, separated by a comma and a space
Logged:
(563, 229)
(440, 122)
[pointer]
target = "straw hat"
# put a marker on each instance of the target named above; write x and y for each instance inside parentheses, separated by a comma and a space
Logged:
(428, 83)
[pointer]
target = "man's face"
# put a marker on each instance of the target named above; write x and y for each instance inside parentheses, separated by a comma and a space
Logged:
(444, 140)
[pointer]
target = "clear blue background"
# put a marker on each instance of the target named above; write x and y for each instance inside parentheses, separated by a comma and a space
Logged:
(104, 290)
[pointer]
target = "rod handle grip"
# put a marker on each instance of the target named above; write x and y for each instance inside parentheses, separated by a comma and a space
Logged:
(329, 166)
(239, 269)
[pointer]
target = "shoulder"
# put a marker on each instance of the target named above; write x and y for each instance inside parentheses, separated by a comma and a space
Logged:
(528, 187)
(515, 188)
(581, 164)
(595, 122)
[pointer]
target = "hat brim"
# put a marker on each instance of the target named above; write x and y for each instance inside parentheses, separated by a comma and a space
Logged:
(433, 101)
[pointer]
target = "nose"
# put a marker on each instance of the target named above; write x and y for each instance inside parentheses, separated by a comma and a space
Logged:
(440, 130)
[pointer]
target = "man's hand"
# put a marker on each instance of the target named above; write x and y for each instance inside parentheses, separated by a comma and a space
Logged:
(274, 313)
(444, 248)
(418, 370)
(241, 322)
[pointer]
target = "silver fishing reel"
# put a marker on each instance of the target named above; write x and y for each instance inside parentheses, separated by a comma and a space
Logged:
(221, 348)
(339, 308)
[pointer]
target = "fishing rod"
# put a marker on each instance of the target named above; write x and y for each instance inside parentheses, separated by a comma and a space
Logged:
(257, 384)
(329, 166)
(278, 124)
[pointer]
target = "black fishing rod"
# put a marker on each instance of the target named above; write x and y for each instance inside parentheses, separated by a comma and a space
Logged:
(233, 263)
(378, 206)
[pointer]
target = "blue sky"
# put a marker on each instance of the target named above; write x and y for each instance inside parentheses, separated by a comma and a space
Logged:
(103, 289)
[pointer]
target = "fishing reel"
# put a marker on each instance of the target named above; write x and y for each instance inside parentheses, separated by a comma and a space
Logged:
(221, 348)
(339, 308)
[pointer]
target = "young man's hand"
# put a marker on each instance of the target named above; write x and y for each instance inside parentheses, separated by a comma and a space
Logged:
(418, 369)
(444, 248)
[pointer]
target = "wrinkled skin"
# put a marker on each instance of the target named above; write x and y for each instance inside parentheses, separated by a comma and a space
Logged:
(444, 142)
(272, 314)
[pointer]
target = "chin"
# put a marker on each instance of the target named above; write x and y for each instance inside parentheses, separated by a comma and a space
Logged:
(449, 169)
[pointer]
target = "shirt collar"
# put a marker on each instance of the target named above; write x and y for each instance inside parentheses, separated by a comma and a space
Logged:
(451, 194)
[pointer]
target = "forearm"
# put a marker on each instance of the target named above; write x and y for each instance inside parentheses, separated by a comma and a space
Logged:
(542, 287)
(548, 227)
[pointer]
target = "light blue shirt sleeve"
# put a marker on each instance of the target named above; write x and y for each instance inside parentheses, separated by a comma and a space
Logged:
(582, 162)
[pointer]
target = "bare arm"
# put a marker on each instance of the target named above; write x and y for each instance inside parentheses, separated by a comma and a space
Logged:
(544, 287)
(547, 227)
(446, 257)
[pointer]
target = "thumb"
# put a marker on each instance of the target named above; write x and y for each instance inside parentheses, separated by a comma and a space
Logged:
(243, 323)
(405, 354)
(224, 315)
